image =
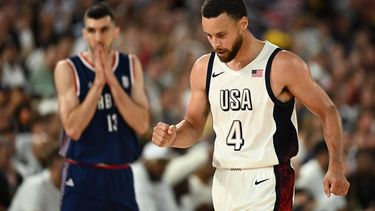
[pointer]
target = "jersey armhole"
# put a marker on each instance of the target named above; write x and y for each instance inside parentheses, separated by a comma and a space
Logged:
(209, 71)
(132, 68)
(75, 75)
(268, 81)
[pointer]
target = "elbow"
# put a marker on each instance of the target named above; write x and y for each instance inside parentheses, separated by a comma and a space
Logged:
(143, 130)
(331, 109)
(143, 126)
(329, 113)
(74, 134)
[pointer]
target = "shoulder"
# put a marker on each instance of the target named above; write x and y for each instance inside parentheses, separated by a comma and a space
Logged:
(63, 65)
(201, 64)
(130, 56)
(198, 73)
(288, 68)
(64, 74)
(133, 59)
(288, 61)
(63, 69)
(203, 60)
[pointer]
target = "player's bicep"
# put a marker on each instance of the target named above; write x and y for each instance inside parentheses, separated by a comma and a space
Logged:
(138, 92)
(301, 84)
(312, 96)
(198, 107)
(66, 89)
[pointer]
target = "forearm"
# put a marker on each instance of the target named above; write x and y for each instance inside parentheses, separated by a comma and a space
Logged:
(187, 135)
(78, 119)
(332, 128)
(135, 115)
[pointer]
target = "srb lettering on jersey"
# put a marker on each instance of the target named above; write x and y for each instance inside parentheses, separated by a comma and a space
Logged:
(105, 101)
(235, 100)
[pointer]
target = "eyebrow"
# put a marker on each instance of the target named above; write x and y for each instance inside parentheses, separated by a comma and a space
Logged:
(220, 33)
(91, 29)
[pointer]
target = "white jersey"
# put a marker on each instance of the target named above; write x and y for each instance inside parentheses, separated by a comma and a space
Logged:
(253, 128)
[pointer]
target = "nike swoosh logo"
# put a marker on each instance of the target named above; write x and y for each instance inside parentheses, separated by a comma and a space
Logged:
(260, 181)
(216, 74)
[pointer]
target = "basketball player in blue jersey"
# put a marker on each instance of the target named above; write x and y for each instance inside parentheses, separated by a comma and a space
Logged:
(102, 106)
(250, 87)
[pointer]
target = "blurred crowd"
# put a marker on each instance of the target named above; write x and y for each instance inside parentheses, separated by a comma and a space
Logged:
(336, 39)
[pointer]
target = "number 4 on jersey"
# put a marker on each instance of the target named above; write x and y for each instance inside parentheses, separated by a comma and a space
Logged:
(234, 137)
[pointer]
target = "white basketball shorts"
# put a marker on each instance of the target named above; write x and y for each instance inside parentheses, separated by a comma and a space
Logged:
(261, 189)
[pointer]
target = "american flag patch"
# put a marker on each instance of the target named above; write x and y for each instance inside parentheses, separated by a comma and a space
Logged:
(257, 73)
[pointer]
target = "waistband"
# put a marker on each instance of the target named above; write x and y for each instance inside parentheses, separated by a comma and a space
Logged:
(286, 165)
(99, 165)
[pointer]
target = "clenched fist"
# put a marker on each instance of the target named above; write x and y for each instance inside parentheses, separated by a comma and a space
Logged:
(164, 134)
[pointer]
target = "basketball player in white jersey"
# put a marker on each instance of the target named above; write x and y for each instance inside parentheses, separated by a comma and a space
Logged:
(250, 87)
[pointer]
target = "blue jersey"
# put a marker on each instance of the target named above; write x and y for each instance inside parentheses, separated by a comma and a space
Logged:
(107, 138)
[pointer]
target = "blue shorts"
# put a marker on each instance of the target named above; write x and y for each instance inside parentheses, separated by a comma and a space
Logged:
(89, 188)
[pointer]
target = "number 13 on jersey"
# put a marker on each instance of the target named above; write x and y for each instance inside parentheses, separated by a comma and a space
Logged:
(112, 122)
(235, 137)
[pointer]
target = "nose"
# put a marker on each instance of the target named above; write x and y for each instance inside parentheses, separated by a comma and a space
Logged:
(215, 42)
(98, 36)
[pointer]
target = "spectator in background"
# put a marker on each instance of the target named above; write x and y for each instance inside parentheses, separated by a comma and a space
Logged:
(41, 76)
(41, 191)
(13, 73)
(26, 159)
(311, 176)
(199, 183)
(7, 148)
(361, 195)
(5, 193)
(41, 72)
(303, 200)
(151, 191)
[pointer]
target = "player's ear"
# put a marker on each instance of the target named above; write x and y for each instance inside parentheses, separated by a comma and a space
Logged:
(244, 23)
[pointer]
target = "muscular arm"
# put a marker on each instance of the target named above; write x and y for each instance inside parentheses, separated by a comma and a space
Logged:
(134, 109)
(293, 75)
(75, 116)
(190, 129)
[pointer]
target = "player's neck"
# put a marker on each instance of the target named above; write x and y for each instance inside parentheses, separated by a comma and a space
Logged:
(250, 49)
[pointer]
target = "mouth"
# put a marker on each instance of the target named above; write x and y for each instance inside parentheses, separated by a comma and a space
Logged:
(220, 53)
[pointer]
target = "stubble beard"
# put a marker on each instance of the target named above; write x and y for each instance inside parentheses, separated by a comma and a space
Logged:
(233, 52)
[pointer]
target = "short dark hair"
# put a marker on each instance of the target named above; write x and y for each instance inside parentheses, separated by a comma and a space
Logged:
(234, 8)
(99, 10)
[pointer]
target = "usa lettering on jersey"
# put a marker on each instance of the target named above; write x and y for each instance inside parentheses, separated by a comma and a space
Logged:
(235, 100)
